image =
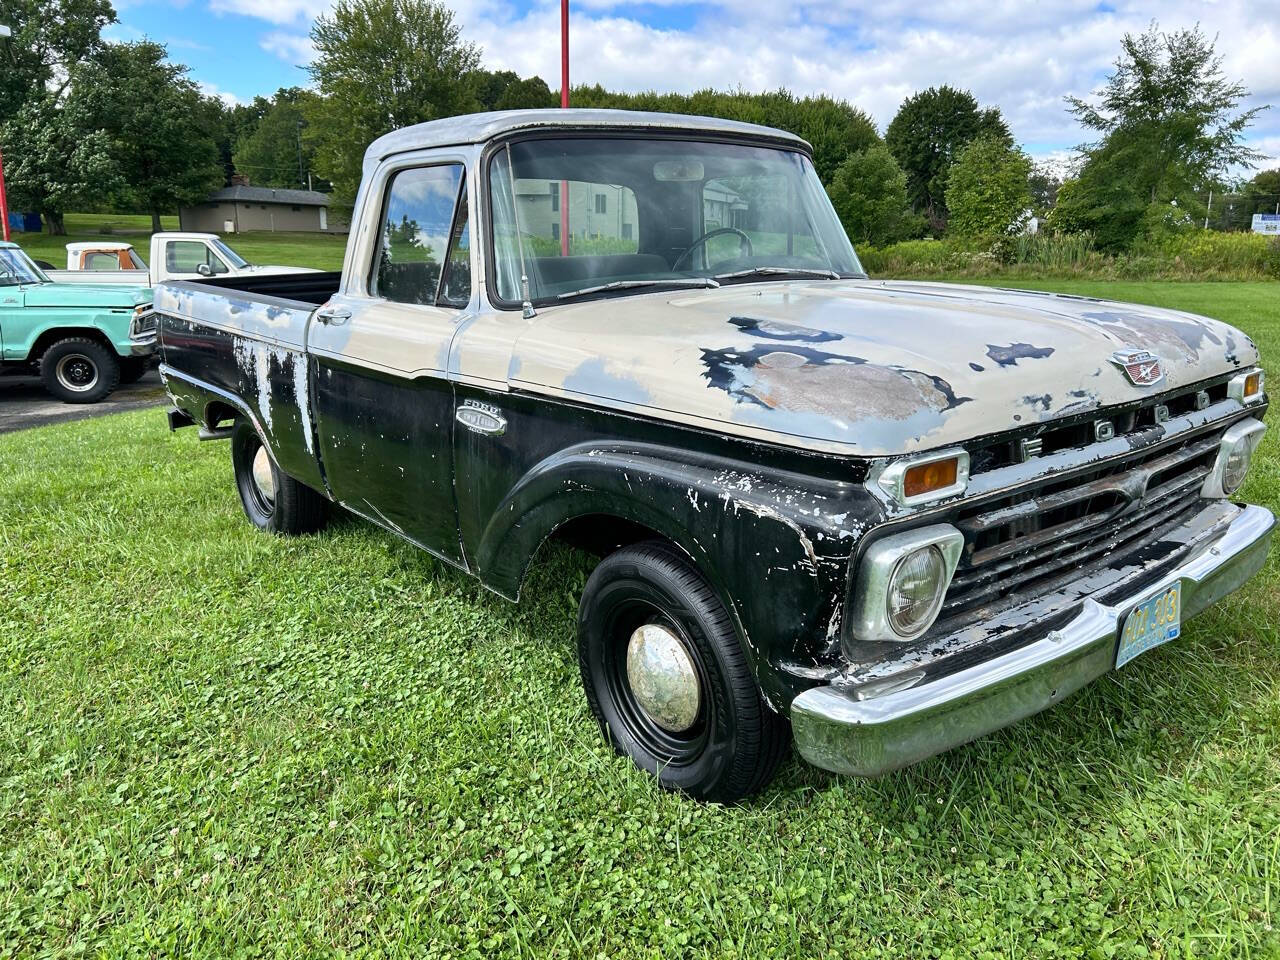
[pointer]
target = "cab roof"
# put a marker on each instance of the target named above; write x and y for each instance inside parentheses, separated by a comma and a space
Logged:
(480, 127)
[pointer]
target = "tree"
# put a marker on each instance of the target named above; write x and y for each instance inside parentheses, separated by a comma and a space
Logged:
(928, 132)
(1169, 125)
(50, 37)
(55, 159)
(380, 65)
(869, 193)
(987, 190)
(504, 90)
(160, 126)
(834, 128)
(1262, 193)
(1045, 184)
(52, 158)
(274, 154)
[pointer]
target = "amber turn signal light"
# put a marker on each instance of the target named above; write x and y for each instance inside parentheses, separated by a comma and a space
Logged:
(928, 477)
(1253, 383)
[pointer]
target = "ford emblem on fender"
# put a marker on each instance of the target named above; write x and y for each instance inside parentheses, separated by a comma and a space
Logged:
(1141, 366)
(482, 418)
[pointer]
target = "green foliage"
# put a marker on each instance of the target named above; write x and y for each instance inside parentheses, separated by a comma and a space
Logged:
(1169, 126)
(55, 157)
(1261, 195)
(869, 193)
(833, 127)
(162, 131)
(988, 190)
(273, 153)
(504, 90)
(927, 134)
(381, 65)
(1192, 256)
(224, 744)
(49, 38)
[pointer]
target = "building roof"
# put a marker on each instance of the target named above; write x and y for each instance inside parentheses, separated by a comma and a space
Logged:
(296, 198)
(479, 127)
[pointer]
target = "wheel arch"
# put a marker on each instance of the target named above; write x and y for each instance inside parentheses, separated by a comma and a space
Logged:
(55, 334)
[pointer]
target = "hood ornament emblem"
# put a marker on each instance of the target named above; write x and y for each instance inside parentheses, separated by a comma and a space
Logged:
(1142, 367)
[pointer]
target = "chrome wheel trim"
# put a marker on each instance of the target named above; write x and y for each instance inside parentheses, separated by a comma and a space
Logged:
(663, 678)
(76, 372)
(264, 477)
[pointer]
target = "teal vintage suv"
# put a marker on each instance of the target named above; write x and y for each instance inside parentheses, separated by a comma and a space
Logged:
(83, 339)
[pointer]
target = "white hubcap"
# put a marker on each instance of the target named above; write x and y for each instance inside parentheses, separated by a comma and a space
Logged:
(663, 678)
(262, 475)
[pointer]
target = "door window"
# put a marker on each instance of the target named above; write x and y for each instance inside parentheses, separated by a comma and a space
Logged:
(418, 225)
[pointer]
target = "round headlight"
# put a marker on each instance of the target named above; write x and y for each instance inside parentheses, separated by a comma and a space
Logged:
(915, 591)
(1237, 465)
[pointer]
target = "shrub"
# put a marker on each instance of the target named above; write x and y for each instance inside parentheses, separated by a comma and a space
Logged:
(869, 193)
(988, 191)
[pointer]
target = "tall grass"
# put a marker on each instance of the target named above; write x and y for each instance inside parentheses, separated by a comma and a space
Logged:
(1199, 255)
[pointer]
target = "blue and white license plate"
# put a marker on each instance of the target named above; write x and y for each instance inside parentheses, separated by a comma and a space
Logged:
(1156, 620)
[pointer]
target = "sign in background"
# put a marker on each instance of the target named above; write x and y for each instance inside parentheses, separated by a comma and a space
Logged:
(1266, 223)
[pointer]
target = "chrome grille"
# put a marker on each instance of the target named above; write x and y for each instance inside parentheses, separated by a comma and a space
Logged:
(1017, 543)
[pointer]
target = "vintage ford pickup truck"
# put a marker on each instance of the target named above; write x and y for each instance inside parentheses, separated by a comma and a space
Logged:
(82, 339)
(879, 518)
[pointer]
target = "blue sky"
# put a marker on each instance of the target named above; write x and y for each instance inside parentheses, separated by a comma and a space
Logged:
(1022, 56)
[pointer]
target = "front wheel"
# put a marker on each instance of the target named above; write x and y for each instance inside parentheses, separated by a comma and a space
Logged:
(272, 499)
(667, 680)
(133, 369)
(77, 370)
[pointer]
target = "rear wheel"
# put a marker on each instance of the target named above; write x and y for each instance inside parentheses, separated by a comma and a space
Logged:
(667, 680)
(272, 499)
(77, 370)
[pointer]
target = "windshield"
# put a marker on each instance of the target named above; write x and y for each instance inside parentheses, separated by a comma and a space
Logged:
(594, 216)
(16, 267)
(229, 255)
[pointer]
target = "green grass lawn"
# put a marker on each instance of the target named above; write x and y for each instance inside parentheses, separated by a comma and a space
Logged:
(320, 250)
(218, 743)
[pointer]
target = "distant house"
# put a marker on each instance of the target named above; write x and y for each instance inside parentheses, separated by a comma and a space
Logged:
(236, 209)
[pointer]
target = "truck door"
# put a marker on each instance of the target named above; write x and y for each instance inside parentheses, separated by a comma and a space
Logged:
(383, 402)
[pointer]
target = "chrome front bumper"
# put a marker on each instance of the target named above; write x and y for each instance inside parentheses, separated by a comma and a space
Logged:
(838, 732)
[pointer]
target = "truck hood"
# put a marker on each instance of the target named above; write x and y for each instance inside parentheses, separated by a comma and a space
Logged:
(868, 367)
(85, 295)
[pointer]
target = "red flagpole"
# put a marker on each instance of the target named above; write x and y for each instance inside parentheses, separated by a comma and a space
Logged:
(564, 104)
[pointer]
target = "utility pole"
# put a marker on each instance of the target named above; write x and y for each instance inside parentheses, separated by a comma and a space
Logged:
(300, 179)
(5, 34)
(564, 105)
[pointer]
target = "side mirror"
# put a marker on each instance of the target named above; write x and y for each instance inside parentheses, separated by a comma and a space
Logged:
(204, 270)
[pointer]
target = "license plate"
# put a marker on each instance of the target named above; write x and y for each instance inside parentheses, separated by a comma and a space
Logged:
(1156, 620)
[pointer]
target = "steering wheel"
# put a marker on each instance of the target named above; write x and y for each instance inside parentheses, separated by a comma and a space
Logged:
(744, 243)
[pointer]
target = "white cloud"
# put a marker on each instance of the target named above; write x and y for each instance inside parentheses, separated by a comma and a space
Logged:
(1020, 56)
(291, 47)
(212, 90)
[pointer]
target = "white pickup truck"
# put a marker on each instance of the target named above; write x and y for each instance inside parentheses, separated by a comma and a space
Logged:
(174, 256)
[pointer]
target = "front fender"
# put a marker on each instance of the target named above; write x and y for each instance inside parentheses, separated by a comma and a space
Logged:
(28, 326)
(774, 545)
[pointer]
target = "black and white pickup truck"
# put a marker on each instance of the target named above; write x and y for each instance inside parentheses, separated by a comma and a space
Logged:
(878, 518)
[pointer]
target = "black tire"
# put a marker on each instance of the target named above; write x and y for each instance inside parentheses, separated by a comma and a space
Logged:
(734, 746)
(77, 370)
(288, 507)
(133, 369)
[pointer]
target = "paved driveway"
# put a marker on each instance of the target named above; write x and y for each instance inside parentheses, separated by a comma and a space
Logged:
(23, 402)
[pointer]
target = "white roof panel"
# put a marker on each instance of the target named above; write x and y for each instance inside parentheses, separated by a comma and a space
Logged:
(479, 127)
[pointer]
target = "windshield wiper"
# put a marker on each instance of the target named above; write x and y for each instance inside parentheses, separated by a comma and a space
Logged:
(780, 272)
(625, 284)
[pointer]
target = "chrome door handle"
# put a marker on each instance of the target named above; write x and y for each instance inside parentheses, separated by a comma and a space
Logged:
(335, 318)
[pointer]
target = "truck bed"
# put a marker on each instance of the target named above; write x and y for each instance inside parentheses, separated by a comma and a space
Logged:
(236, 347)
